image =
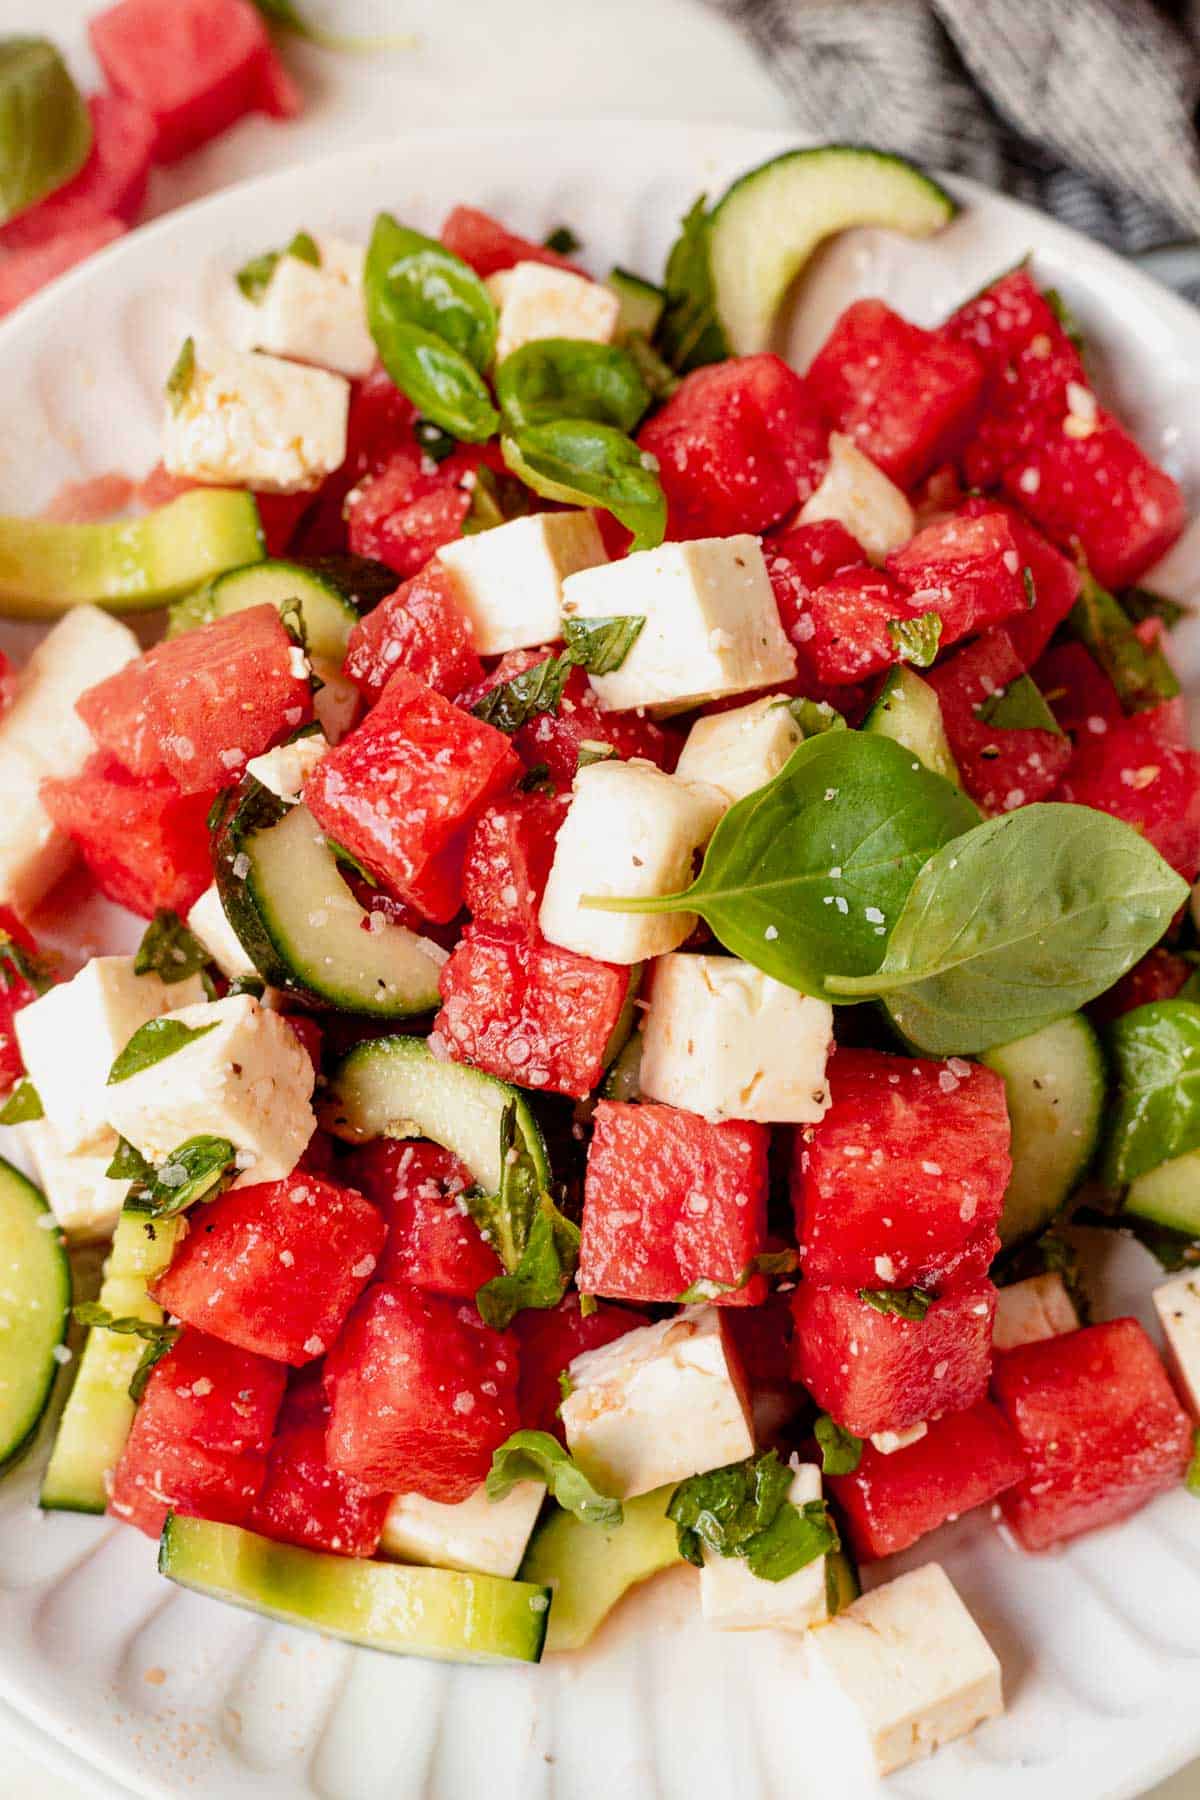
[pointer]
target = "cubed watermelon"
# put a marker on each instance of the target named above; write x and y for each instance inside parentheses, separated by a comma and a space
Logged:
(1001, 768)
(421, 628)
(200, 1435)
(877, 1371)
(401, 790)
(552, 740)
(432, 1242)
(1137, 771)
(528, 1012)
(405, 513)
(904, 395)
(275, 1267)
(739, 444)
(422, 1392)
(805, 558)
(195, 66)
(551, 1338)
(18, 961)
(902, 1182)
(671, 1200)
(145, 843)
(1077, 691)
(967, 570)
(303, 1500)
(24, 272)
(1100, 1426)
(842, 635)
(489, 247)
(1003, 318)
(1158, 976)
(1055, 579)
(509, 851)
(964, 1460)
(110, 185)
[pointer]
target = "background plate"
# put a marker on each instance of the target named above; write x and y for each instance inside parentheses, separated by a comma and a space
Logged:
(172, 1694)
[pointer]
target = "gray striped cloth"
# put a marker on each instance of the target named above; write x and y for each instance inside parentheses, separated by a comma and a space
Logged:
(1084, 107)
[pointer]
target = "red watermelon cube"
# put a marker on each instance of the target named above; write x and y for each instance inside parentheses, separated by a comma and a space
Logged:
(1099, 1424)
(1003, 319)
(489, 247)
(1001, 768)
(966, 569)
(552, 740)
(902, 1182)
(1138, 771)
(1077, 691)
(18, 962)
(422, 1392)
(1056, 580)
(842, 635)
(421, 628)
(904, 395)
(145, 843)
(110, 185)
(401, 790)
(200, 1435)
(275, 1267)
(405, 513)
(875, 1371)
(739, 445)
(671, 1200)
(24, 272)
(303, 1500)
(509, 851)
(552, 1338)
(432, 1241)
(528, 1012)
(805, 558)
(964, 1460)
(1158, 976)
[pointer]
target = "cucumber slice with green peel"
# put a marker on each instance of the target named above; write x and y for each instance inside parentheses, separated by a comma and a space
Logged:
(35, 1307)
(442, 1614)
(909, 711)
(396, 1087)
(623, 1078)
(642, 304)
(766, 226)
(333, 594)
(98, 1414)
(130, 565)
(1169, 1195)
(623, 1029)
(297, 920)
(590, 1567)
(1056, 1082)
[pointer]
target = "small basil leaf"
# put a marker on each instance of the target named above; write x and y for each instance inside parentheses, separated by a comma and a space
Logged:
(592, 465)
(157, 1336)
(152, 1043)
(690, 332)
(906, 1303)
(1018, 707)
(433, 440)
(767, 1262)
(169, 950)
(796, 1536)
(45, 127)
(814, 716)
(183, 371)
(601, 645)
(17, 965)
(128, 1164)
(916, 640)
(1140, 604)
(495, 499)
(438, 380)
(416, 281)
(743, 1510)
(570, 378)
(511, 704)
(562, 240)
(1140, 673)
(1156, 1051)
(543, 1274)
(190, 1173)
(841, 1451)
(254, 277)
(23, 1105)
(536, 1456)
(592, 751)
(506, 1219)
(537, 780)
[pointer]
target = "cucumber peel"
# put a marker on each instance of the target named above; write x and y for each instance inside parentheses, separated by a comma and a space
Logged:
(35, 1302)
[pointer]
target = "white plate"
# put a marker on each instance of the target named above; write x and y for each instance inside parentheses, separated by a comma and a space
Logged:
(171, 1694)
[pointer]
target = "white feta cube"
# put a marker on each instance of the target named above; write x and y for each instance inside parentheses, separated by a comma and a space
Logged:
(888, 1442)
(856, 493)
(741, 750)
(482, 1536)
(285, 769)
(1028, 1311)
(245, 420)
(315, 312)
(733, 1598)
(726, 1041)
(248, 1079)
(71, 1036)
(336, 702)
(535, 301)
(208, 922)
(509, 581)
(712, 626)
(914, 1664)
(631, 830)
(84, 1200)
(661, 1403)
(1177, 1303)
(34, 853)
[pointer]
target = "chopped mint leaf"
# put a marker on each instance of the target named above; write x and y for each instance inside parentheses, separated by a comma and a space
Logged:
(23, 1105)
(591, 751)
(1141, 604)
(169, 950)
(543, 1274)
(907, 1303)
(1018, 707)
(434, 441)
(916, 640)
(179, 381)
(840, 1449)
(537, 780)
(158, 1337)
(254, 277)
(128, 1164)
(17, 964)
(536, 1456)
(743, 1510)
(195, 1171)
(601, 645)
(513, 703)
(152, 1043)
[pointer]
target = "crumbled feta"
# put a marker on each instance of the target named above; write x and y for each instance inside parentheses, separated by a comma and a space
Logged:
(1028, 1311)
(286, 768)
(740, 750)
(315, 313)
(478, 1535)
(336, 702)
(888, 1442)
(1177, 1303)
(535, 301)
(856, 493)
(509, 581)
(733, 1598)
(256, 421)
(207, 921)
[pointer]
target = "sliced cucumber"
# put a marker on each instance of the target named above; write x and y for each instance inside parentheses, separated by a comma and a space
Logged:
(99, 1412)
(1055, 1081)
(1169, 1195)
(438, 1613)
(300, 925)
(589, 1567)
(767, 225)
(395, 1087)
(623, 1078)
(641, 303)
(332, 593)
(622, 1030)
(909, 711)
(842, 1586)
(131, 565)
(35, 1305)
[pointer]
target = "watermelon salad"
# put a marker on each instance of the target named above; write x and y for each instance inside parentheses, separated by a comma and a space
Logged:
(665, 885)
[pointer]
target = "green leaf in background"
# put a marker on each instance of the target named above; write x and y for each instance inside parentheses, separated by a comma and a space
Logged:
(1140, 673)
(601, 645)
(254, 277)
(169, 950)
(23, 1105)
(916, 640)
(1140, 604)
(45, 126)
(905, 1303)
(592, 465)
(195, 1171)
(562, 240)
(1024, 919)
(183, 370)
(1156, 1052)
(149, 1045)
(743, 1510)
(536, 1456)
(841, 1451)
(690, 332)
(805, 877)
(1018, 707)
(543, 1274)
(569, 378)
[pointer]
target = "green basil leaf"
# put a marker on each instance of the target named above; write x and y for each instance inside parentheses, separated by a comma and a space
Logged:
(506, 1219)
(17, 965)
(254, 277)
(916, 640)
(183, 370)
(1140, 673)
(152, 1043)
(562, 240)
(495, 499)
(804, 877)
(192, 1172)
(591, 751)
(1018, 707)
(1191, 1480)
(1140, 604)
(536, 1456)
(767, 1262)
(690, 331)
(437, 379)
(23, 1105)
(543, 1274)
(45, 127)
(169, 950)
(592, 465)
(128, 1164)
(657, 374)
(841, 1451)
(511, 704)
(570, 378)
(796, 1536)
(906, 1303)
(1156, 1051)
(1020, 922)
(537, 780)
(157, 1336)
(601, 645)
(433, 440)
(1065, 317)
(814, 716)
(743, 1510)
